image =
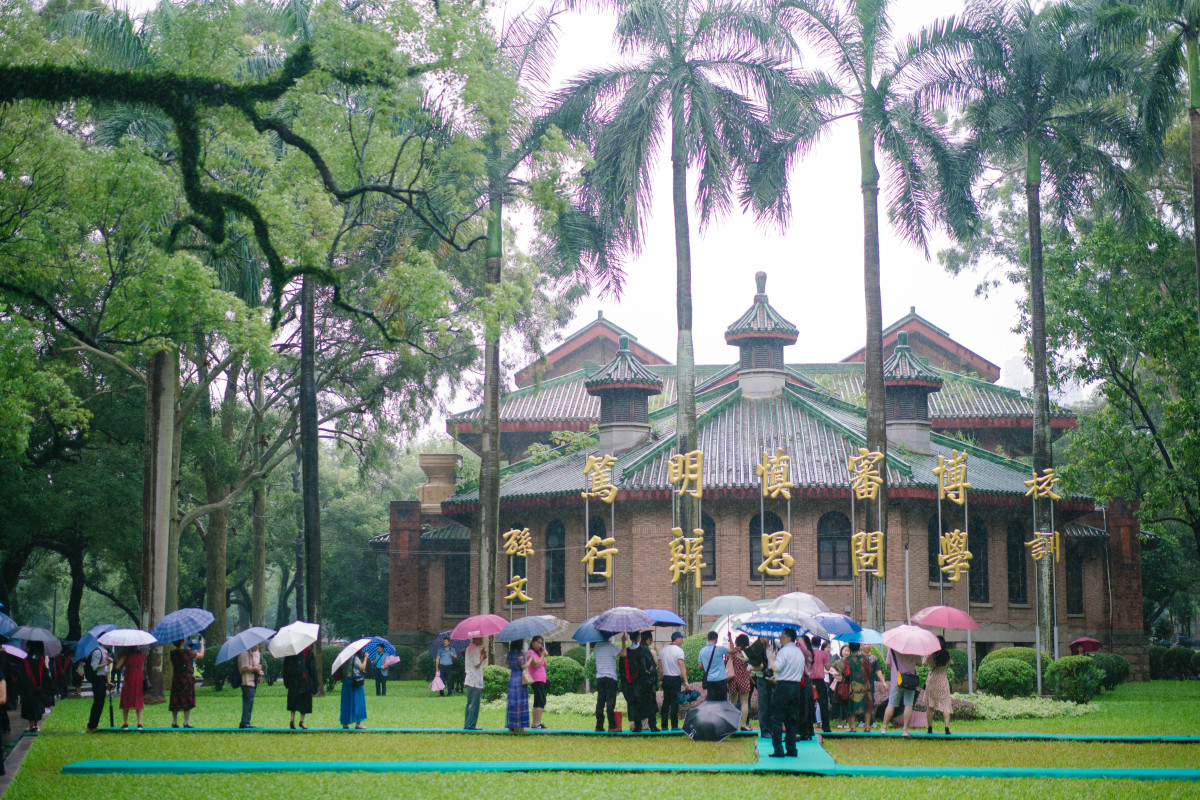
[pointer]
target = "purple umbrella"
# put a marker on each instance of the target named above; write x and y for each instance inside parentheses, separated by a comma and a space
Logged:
(457, 645)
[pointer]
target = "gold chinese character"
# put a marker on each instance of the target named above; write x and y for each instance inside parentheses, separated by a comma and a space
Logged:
(954, 557)
(593, 553)
(518, 590)
(1045, 544)
(601, 471)
(1043, 486)
(952, 477)
(687, 555)
(777, 562)
(867, 552)
(774, 473)
(687, 470)
(518, 543)
(864, 475)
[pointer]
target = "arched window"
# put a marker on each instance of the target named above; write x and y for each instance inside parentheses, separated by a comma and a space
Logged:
(517, 565)
(1074, 564)
(935, 547)
(709, 573)
(596, 527)
(977, 543)
(556, 562)
(1015, 545)
(774, 523)
(456, 584)
(833, 547)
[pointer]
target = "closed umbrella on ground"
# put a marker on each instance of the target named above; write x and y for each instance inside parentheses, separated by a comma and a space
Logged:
(291, 640)
(712, 721)
(241, 642)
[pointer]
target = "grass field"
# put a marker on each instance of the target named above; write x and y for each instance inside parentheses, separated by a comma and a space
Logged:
(1156, 708)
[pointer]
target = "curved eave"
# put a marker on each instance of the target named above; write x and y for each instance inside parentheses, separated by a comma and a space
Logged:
(988, 421)
(787, 337)
(608, 386)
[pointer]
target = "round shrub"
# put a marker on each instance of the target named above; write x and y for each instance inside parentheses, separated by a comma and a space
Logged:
(1075, 678)
(272, 668)
(589, 671)
(495, 681)
(1178, 662)
(1115, 667)
(1006, 677)
(691, 650)
(563, 675)
(579, 653)
(1158, 656)
(1196, 663)
(958, 658)
(1026, 654)
(407, 663)
(426, 666)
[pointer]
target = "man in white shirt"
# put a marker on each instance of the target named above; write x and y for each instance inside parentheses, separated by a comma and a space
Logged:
(100, 662)
(786, 700)
(674, 670)
(474, 659)
(605, 654)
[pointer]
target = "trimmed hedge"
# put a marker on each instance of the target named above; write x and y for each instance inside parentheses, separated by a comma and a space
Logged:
(958, 658)
(1178, 662)
(579, 653)
(1116, 669)
(1075, 678)
(691, 650)
(1196, 663)
(1026, 654)
(1006, 677)
(1158, 670)
(563, 675)
(495, 682)
(408, 661)
(426, 666)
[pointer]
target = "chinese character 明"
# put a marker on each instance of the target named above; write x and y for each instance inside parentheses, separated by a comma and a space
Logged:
(777, 562)
(1043, 486)
(687, 555)
(1046, 543)
(518, 543)
(600, 470)
(954, 557)
(518, 590)
(594, 552)
(687, 470)
(951, 474)
(774, 473)
(864, 474)
(867, 552)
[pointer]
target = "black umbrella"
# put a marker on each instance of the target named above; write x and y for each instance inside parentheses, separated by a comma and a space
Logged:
(457, 645)
(712, 721)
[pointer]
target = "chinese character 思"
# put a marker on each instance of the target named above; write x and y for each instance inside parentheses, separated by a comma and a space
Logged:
(518, 543)
(951, 474)
(954, 557)
(687, 554)
(774, 473)
(594, 553)
(777, 562)
(687, 470)
(867, 552)
(600, 470)
(864, 474)
(1043, 486)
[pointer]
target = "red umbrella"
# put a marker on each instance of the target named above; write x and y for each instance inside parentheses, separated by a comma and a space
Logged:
(945, 617)
(478, 625)
(1085, 644)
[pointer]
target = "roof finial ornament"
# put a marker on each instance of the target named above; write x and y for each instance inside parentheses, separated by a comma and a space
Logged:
(760, 280)
(623, 342)
(902, 339)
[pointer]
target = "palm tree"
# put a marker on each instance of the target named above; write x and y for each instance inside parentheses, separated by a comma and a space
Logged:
(700, 76)
(879, 85)
(1039, 102)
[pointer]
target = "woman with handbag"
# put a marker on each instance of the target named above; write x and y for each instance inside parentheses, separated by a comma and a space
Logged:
(535, 664)
(937, 687)
(354, 699)
(856, 671)
(516, 718)
(132, 661)
(839, 687)
(903, 688)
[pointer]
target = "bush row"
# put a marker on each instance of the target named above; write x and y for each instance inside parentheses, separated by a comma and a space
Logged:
(1174, 663)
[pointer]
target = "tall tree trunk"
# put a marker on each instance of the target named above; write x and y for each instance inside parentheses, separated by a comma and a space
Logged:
(175, 532)
(1193, 68)
(162, 378)
(215, 583)
(258, 520)
(282, 612)
(1042, 457)
(489, 466)
(12, 562)
(301, 606)
(309, 479)
(75, 598)
(686, 435)
(876, 589)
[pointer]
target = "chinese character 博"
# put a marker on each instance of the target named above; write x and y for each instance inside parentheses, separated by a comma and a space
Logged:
(951, 474)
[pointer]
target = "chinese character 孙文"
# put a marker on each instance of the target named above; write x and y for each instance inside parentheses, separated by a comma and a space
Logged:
(774, 471)
(517, 590)
(518, 543)
(777, 562)
(594, 553)
(951, 474)
(599, 469)
(954, 557)
(864, 473)
(867, 552)
(1046, 543)
(1043, 486)
(687, 471)
(687, 554)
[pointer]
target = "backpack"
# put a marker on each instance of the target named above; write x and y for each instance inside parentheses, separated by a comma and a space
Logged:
(235, 675)
(88, 673)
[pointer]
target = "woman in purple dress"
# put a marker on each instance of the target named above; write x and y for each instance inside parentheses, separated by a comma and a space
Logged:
(517, 717)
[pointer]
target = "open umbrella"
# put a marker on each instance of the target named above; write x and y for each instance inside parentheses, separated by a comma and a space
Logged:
(14, 651)
(771, 623)
(729, 623)
(479, 625)
(181, 624)
(865, 636)
(51, 646)
(945, 617)
(291, 640)
(911, 640)
(623, 619)
(665, 618)
(586, 633)
(526, 628)
(241, 642)
(712, 721)
(389, 649)
(126, 637)
(7, 624)
(457, 645)
(802, 602)
(726, 604)
(560, 629)
(836, 623)
(348, 652)
(1085, 644)
(90, 641)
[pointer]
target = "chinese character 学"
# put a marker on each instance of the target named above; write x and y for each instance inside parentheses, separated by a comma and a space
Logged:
(687, 555)
(864, 473)
(1043, 486)
(600, 470)
(594, 552)
(867, 551)
(687, 470)
(777, 562)
(517, 588)
(1046, 543)
(951, 474)
(518, 543)
(954, 557)
(774, 473)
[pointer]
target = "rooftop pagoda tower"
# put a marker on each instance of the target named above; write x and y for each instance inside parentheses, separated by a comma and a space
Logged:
(761, 334)
(907, 384)
(624, 386)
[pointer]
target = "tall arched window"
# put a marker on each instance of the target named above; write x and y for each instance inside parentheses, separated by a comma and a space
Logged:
(833, 547)
(1074, 569)
(517, 565)
(977, 543)
(709, 573)
(456, 584)
(556, 562)
(1015, 545)
(596, 527)
(774, 523)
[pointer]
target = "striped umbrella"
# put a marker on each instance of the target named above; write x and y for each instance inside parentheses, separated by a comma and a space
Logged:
(7, 625)
(624, 619)
(181, 624)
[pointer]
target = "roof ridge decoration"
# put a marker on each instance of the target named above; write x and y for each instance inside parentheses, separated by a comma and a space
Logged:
(652, 451)
(905, 369)
(761, 321)
(624, 371)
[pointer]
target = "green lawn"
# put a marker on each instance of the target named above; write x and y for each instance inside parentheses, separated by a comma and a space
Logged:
(892, 750)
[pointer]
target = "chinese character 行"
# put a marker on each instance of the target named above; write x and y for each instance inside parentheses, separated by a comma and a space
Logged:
(954, 557)
(518, 543)
(687, 470)
(951, 474)
(867, 552)
(864, 475)
(777, 562)
(1043, 486)
(774, 473)
(600, 470)
(687, 555)
(594, 552)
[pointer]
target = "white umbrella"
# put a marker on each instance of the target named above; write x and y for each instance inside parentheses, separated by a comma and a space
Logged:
(801, 602)
(127, 637)
(348, 652)
(290, 640)
(727, 624)
(560, 630)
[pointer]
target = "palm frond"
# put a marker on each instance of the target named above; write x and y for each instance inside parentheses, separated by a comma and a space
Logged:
(529, 41)
(109, 36)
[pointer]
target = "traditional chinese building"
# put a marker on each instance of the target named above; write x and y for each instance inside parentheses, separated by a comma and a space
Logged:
(767, 417)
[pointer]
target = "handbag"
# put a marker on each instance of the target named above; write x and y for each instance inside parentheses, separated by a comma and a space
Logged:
(843, 690)
(908, 681)
(525, 677)
(357, 678)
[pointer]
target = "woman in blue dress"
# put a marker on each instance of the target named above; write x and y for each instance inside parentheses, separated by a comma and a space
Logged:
(354, 700)
(517, 718)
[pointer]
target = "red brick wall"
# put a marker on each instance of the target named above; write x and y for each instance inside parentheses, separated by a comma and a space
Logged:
(408, 592)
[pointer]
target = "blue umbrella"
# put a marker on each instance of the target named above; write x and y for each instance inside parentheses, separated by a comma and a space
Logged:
(239, 643)
(373, 646)
(665, 618)
(623, 619)
(865, 636)
(181, 624)
(91, 640)
(586, 633)
(525, 628)
(7, 625)
(772, 623)
(837, 624)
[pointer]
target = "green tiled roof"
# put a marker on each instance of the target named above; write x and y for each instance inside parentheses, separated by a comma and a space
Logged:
(625, 371)
(761, 320)
(904, 367)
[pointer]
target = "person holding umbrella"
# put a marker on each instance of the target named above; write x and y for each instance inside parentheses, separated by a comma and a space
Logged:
(674, 672)
(535, 662)
(99, 662)
(516, 718)
(183, 681)
(133, 661)
(381, 672)
(354, 700)
(937, 686)
(35, 684)
(249, 667)
(300, 680)
(473, 659)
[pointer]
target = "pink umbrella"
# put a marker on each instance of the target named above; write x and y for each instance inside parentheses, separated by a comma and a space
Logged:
(13, 650)
(478, 625)
(390, 660)
(1085, 644)
(945, 617)
(911, 640)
